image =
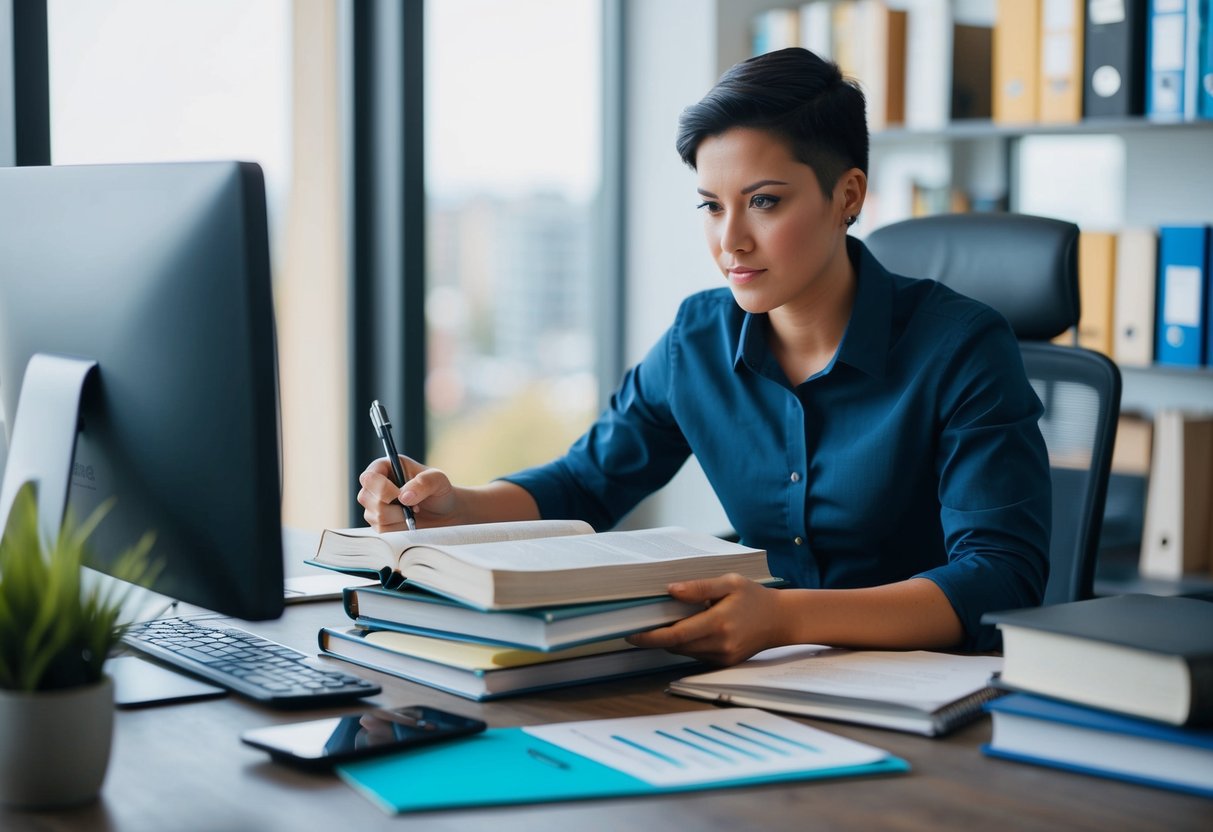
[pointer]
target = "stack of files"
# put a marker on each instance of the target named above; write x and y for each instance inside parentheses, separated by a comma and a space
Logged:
(604, 758)
(485, 671)
(1119, 687)
(500, 609)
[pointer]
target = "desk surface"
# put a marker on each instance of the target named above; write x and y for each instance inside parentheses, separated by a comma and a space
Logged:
(182, 767)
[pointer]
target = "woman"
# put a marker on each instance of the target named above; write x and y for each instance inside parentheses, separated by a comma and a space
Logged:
(875, 434)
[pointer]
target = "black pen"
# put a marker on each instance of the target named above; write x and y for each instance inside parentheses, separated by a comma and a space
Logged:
(383, 427)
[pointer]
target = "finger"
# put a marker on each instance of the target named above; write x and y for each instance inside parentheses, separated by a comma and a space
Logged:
(429, 482)
(377, 486)
(705, 590)
(682, 632)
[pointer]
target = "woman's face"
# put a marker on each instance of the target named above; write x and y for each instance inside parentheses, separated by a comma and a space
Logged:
(771, 231)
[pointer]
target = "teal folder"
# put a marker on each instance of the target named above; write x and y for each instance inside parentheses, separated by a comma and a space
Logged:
(505, 766)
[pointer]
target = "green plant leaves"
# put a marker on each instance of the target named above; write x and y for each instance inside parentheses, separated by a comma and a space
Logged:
(55, 631)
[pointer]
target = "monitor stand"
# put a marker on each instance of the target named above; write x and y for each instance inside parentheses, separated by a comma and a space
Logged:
(42, 442)
(42, 446)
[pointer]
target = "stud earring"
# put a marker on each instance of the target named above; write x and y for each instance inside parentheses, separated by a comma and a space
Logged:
(850, 220)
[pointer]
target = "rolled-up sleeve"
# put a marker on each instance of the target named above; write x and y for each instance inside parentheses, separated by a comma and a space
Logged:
(634, 448)
(995, 488)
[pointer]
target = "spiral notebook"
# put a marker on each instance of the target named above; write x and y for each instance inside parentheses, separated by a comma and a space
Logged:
(915, 691)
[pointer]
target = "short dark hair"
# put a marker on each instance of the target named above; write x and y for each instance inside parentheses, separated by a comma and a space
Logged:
(795, 95)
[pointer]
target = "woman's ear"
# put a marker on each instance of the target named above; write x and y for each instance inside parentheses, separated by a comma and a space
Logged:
(849, 194)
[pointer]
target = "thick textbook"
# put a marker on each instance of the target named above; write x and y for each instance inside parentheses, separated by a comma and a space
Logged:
(915, 691)
(480, 671)
(538, 563)
(1143, 655)
(412, 610)
(1033, 729)
(612, 758)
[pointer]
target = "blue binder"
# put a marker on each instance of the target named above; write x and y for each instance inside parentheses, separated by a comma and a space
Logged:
(1181, 329)
(1172, 59)
(1205, 83)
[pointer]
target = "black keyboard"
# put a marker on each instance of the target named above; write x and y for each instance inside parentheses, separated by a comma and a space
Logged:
(245, 663)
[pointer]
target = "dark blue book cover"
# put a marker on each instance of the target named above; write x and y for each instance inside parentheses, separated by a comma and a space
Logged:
(1041, 731)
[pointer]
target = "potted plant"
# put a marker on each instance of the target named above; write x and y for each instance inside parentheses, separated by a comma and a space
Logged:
(56, 631)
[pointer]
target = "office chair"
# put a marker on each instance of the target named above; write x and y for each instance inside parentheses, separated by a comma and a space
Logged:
(1027, 269)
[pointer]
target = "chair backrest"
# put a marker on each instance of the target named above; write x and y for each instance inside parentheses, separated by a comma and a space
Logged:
(1027, 269)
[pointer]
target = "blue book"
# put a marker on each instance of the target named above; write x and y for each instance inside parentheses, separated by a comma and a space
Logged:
(1033, 729)
(1181, 329)
(1172, 59)
(621, 757)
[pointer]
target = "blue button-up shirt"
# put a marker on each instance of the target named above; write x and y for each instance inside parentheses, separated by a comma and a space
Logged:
(915, 452)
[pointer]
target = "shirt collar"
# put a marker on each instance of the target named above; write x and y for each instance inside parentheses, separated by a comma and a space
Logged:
(865, 342)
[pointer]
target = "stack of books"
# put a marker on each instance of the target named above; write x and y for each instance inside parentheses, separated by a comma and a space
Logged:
(504, 608)
(1116, 687)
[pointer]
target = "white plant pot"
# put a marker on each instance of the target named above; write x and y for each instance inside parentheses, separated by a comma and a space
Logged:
(55, 745)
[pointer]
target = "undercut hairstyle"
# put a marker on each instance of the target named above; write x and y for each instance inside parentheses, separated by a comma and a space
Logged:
(794, 95)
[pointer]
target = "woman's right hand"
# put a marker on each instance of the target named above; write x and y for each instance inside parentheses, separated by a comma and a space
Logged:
(428, 492)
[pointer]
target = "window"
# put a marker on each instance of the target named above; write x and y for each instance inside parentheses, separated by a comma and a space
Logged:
(146, 81)
(513, 168)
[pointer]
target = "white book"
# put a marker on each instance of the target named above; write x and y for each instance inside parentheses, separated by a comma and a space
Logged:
(538, 563)
(915, 691)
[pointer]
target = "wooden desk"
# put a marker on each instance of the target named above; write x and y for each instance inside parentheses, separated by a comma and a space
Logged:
(182, 767)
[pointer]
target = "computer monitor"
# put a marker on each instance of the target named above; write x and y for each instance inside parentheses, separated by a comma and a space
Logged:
(160, 274)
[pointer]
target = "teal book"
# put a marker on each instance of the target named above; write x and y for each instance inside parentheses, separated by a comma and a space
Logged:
(412, 610)
(613, 758)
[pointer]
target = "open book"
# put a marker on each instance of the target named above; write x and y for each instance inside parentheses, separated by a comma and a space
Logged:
(538, 563)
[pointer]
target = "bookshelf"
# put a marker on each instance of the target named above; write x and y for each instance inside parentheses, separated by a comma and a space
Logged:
(1162, 176)
(1104, 173)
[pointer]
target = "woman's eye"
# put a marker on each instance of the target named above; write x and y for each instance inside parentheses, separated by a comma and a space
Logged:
(763, 201)
(710, 207)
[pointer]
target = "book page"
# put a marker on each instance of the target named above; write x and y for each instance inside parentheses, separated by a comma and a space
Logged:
(915, 678)
(361, 546)
(720, 745)
(605, 549)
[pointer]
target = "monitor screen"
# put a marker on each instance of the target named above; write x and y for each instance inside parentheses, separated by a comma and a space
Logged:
(160, 274)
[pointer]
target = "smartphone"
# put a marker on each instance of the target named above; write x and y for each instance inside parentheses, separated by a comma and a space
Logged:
(321, 743)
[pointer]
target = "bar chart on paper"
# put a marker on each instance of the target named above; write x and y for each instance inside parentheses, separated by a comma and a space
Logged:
(701, 747)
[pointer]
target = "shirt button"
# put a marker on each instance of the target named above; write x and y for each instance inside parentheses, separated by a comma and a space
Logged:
(795, 477)
(798, 540)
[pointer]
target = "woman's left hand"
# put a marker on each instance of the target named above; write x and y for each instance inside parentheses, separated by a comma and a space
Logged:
(741, 618)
